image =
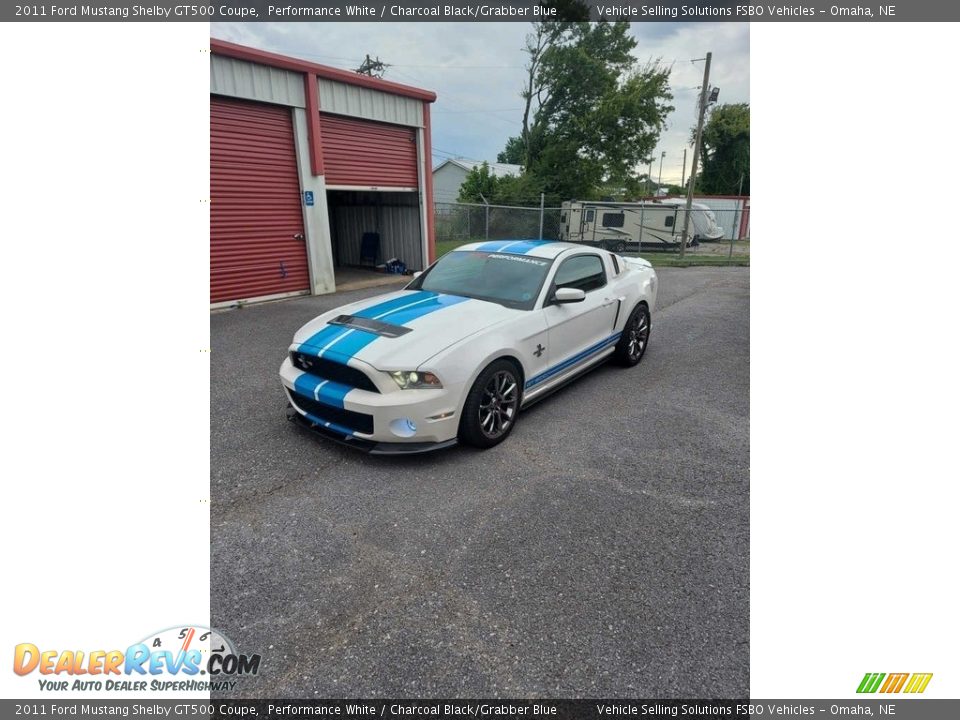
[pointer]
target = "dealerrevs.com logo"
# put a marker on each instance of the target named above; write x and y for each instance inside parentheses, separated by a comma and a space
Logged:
(181, 659)
(894, 682)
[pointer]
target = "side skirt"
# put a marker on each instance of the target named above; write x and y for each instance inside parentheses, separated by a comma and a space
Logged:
(595, 362)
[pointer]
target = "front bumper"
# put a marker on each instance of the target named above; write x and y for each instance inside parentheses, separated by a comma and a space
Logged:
(359, 443)
(397, 421)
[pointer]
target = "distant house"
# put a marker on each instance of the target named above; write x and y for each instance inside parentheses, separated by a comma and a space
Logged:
(449, 175)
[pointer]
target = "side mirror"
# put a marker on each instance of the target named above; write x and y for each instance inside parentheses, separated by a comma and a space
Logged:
(417, 274)
(561, 296)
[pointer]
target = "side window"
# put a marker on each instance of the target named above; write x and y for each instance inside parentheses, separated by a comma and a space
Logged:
(589, 216)
(612, 220)
(616, 264)
(668, 221)
(583, 272)
(563, 217)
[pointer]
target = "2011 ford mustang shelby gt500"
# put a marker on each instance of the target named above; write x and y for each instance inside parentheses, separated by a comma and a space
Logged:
(484, 331)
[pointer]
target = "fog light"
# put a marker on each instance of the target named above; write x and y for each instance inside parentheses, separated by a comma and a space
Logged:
(403, 427)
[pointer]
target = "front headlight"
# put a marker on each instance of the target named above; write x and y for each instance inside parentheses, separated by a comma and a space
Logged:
(415, 380)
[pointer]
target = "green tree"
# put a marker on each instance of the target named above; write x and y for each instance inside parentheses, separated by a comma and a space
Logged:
(725, 151)
(591, 115)
(481, 184)
(514, 153)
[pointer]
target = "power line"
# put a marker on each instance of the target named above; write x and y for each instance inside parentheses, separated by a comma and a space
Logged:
(372, 67)
(452, 112)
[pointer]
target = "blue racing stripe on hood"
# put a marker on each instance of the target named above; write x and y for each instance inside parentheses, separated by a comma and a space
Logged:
(356, 339)
(322, 338)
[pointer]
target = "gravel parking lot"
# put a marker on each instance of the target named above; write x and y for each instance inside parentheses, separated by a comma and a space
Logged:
(601, 551)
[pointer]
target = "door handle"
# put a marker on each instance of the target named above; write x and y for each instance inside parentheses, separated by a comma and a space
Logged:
(607, 302)
(299, 236)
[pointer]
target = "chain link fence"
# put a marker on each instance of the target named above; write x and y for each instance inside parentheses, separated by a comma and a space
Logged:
(460, 223)
(468, 222)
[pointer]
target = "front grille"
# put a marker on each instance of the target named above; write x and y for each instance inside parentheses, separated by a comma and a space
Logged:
(333, 371)
(359, 422)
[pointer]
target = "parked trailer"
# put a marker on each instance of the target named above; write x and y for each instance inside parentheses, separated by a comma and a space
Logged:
(648, 225)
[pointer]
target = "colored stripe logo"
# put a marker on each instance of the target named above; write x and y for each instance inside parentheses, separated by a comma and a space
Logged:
(894, 682)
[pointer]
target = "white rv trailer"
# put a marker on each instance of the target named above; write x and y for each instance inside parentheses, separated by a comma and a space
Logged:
(651, 225)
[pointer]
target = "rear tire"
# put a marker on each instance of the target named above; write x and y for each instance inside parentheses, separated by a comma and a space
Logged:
(492, 406)
(635, 338)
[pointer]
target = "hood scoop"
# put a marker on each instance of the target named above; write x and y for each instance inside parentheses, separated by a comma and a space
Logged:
(371, 326)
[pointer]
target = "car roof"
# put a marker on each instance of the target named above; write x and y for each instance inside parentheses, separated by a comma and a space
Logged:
(533, 248)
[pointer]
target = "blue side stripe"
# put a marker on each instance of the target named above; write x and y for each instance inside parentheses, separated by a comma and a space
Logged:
(583, 355)
(325, 391)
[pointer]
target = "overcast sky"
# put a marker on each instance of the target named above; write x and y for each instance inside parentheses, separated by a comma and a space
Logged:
(477, 70)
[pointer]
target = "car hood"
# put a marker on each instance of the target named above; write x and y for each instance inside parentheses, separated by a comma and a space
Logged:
(403, 329)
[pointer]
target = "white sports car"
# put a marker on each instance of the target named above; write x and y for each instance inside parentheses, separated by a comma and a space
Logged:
(486, 330)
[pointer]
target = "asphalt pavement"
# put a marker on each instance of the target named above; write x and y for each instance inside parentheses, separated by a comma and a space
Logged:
(600, 551)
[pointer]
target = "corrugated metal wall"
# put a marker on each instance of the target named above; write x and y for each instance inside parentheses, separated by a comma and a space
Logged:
(395, 215)
(255, 212)
(728, 212)
(368, 154)
(343, 99)
(242, 79)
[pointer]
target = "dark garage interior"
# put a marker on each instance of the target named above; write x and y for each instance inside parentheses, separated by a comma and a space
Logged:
(393, 216)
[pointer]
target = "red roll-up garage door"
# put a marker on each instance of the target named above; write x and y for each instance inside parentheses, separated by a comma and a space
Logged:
(256, 222)
(361, 153)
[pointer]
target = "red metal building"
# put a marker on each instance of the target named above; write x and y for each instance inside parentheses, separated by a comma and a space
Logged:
(305, 159)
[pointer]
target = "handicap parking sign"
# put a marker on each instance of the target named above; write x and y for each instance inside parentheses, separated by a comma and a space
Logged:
(308, 197)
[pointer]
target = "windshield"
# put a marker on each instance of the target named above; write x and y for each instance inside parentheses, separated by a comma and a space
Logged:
(510, 280)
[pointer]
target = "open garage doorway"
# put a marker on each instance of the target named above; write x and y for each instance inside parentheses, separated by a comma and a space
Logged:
(370, 228)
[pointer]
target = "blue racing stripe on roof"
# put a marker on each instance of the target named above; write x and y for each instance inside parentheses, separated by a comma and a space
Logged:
(493, 245)
(514, 247)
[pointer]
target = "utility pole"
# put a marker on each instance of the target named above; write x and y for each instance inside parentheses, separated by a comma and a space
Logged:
(683, 172)
(373, 68)
(735, 230)
(541, 216)
(649, 176)
(696, 153)
(660, 173)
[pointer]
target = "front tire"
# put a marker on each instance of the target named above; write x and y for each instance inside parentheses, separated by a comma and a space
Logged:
(492, 406)
(635, 338)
